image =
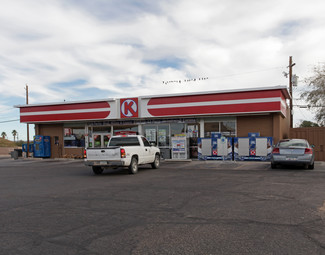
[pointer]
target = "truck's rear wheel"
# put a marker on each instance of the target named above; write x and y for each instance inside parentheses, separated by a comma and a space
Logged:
(156, 162)
(98, 170)
(133, 168)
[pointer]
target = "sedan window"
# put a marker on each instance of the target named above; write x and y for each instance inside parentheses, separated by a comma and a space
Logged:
(293, 143)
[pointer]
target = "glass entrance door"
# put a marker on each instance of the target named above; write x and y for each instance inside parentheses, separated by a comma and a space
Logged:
(193, 134)
(100, 140)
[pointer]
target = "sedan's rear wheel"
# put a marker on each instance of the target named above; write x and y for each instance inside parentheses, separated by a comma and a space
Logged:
(311, 167)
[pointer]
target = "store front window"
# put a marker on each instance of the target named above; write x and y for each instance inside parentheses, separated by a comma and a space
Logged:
(157, 134)
(226, 128)
(150, 132)
(163, 136)
(177, 129)
(126, 130)
(74, 137)
(211, 127)
(160, 135)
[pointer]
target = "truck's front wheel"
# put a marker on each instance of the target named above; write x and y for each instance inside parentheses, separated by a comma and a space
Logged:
(133, 168)
(97, 170)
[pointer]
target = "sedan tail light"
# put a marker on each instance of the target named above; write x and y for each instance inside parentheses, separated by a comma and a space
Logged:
(123, 154)
(308, 151)
(276, 151)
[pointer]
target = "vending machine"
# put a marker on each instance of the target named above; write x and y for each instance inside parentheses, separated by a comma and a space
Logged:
(42, 146)
(30, 149)
(179, 147)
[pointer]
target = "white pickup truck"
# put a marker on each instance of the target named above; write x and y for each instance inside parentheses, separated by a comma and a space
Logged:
(123, 151)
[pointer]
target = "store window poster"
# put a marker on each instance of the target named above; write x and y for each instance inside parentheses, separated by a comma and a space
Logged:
(162, 135)
(151, 134)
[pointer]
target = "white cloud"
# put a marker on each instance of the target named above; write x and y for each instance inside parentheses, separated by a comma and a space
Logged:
(129, 49)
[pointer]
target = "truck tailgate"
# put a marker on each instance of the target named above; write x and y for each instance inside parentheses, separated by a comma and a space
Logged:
(108, 153)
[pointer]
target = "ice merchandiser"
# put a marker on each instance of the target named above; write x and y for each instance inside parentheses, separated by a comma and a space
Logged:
(253, 147)
(42, 146)
(179, 147)
(216, 148)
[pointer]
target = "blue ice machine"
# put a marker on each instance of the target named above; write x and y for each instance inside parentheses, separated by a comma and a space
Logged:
(42, 146)
(24, 147)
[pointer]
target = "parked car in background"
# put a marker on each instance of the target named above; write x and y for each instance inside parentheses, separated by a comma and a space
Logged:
(293, 152)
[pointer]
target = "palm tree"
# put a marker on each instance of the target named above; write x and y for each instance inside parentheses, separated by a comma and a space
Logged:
(3, 134)
(14, 133)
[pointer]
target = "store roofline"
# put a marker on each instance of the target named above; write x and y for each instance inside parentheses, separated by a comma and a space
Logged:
(65, 102)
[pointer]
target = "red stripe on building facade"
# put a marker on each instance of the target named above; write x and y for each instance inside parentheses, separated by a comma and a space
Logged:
(215, 97)
(64, 107)
(216, 109)
(65, 117)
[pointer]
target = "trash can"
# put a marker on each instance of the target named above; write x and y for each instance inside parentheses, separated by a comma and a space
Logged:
(20, 152)
(14, 154)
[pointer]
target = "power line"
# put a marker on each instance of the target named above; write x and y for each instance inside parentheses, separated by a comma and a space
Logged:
(309, 106)
(220, 76)
(249, 72)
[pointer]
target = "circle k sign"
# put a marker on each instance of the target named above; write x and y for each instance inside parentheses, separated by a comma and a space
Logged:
(129, 108)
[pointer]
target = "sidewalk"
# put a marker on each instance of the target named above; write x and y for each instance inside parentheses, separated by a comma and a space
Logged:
(4, 157)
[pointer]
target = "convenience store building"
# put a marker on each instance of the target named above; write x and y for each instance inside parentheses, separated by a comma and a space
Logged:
(72, 126)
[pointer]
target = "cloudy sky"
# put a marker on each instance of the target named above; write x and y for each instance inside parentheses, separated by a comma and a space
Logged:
(93, 49)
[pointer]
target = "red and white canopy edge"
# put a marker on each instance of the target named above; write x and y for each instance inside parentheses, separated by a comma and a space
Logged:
(212, 103)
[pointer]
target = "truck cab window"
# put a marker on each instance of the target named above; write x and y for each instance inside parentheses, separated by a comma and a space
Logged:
(145, 142)
(124, 141)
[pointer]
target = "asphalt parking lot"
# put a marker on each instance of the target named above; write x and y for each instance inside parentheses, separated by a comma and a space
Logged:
(60, 207)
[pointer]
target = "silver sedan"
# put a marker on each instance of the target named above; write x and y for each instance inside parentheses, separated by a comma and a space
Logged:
(293, 152)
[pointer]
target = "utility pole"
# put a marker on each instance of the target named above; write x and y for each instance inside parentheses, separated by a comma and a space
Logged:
(27, 123)
(290, 90)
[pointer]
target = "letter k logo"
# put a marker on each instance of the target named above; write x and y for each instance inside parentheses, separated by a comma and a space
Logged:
(129, 108)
